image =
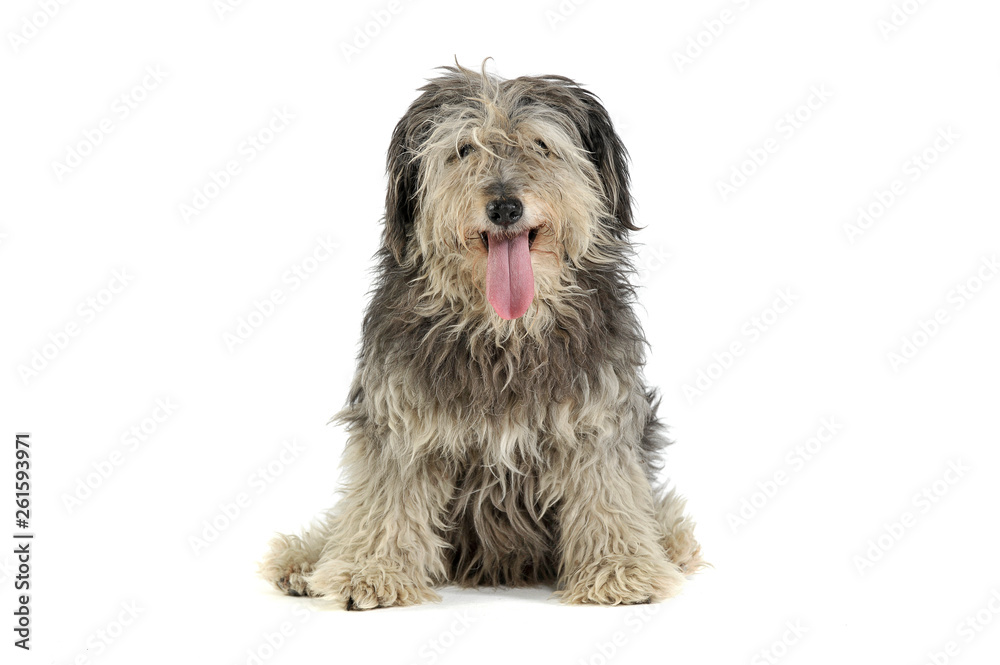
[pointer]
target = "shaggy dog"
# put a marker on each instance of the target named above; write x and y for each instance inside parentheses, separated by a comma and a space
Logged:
(500, 430)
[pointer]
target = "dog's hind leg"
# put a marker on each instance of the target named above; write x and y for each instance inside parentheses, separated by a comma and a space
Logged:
(292, 557)
(678, 532)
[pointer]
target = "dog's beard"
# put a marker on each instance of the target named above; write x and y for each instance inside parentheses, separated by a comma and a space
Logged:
(510, 282)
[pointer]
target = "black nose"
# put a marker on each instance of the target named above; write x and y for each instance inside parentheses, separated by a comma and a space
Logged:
(504, 211)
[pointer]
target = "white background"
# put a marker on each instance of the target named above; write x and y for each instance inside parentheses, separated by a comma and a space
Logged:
(709, 267)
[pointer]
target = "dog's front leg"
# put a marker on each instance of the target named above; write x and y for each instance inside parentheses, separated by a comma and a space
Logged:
(385, 546)
(610, 553)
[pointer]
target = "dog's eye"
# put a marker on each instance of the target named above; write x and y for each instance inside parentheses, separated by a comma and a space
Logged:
(465, 150)
(541, 144)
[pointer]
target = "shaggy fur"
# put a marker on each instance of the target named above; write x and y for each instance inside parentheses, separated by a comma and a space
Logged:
(485, 451)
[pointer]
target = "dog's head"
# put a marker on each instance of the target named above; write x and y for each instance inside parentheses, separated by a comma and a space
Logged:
(501, 190)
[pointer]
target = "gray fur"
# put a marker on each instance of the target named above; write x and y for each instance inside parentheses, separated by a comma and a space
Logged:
(495, 452)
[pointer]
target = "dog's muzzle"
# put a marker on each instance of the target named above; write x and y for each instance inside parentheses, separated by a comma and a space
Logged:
(510, 281)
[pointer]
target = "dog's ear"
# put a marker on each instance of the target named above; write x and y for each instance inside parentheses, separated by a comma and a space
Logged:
(403, 161)
(609, 156)
(400, 203)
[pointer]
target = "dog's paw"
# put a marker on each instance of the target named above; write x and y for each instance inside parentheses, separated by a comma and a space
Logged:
(622, 580)
(287, 565)
(369, 585)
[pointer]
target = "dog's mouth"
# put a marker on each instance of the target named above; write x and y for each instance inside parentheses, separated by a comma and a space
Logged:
(510, 282)
(532, 234)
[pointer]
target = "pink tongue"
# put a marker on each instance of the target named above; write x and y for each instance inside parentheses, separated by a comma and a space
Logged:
(510, 284)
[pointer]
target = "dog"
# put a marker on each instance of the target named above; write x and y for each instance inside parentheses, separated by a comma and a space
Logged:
(500, 431)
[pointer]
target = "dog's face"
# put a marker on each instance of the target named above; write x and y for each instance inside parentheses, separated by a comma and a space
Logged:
(500, 190)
